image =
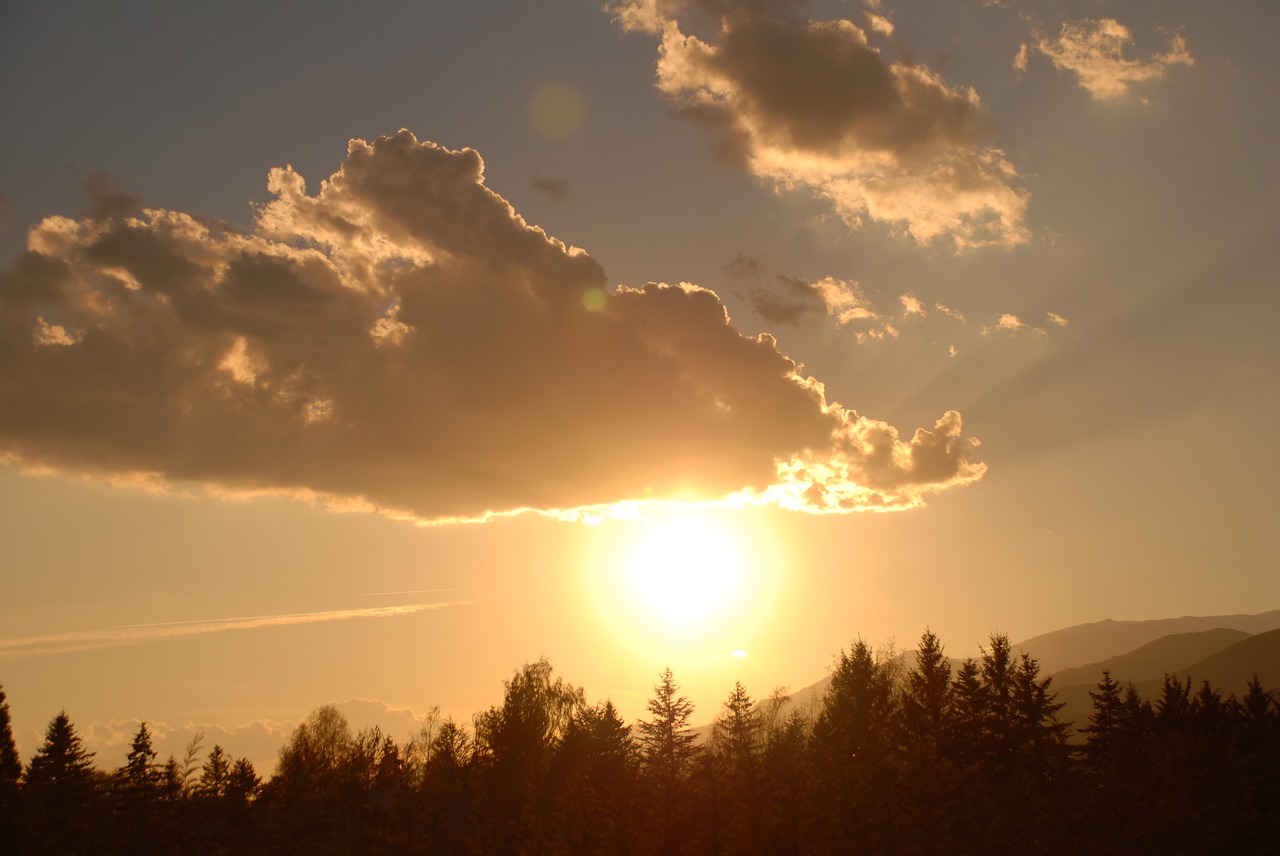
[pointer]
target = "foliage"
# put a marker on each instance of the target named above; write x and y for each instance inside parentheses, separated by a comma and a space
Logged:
(895, 760)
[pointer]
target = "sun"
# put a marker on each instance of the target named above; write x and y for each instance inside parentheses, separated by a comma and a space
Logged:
(683, 584)
(685, 570)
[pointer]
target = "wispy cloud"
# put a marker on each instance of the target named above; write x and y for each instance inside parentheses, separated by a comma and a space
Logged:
(136, 634)
(1093, 50)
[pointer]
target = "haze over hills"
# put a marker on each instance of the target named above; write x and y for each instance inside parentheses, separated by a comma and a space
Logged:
(1226, 650)
(1151, 661)
(1227, 670)
(1094, 642)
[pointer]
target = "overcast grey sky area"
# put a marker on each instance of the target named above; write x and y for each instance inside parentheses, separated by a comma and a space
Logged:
(899, 314)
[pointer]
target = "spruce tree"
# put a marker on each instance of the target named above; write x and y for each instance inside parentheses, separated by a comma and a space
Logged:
(10, 774)
(215, 773)
(738, 741)
(667, 753)
(140, 776)
(59, 792)
(924, 700)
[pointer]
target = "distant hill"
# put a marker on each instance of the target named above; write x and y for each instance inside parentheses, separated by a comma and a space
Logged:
(1228, 670)
(1095, 642)
(1153, 660)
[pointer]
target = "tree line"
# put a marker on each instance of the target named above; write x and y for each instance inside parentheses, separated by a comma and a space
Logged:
(894, 760)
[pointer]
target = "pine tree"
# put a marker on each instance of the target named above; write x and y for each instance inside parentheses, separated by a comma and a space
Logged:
(243, 782)
(965, 714)
(59, 791)
(924, 701)
(667, 753)
(10, 765)
(140, 776)
(666, 740)
(853, 741)
(737, 734)
(215, 774)
(597, 783)
(10, 775)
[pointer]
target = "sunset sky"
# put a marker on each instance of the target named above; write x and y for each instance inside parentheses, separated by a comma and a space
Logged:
(364, 354)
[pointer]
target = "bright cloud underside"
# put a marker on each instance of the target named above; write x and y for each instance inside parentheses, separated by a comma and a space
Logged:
(403, 340)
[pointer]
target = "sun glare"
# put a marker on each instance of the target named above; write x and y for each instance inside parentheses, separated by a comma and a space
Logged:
(684, 570)
(685, 582)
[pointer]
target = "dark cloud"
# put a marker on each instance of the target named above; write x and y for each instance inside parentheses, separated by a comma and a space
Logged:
(404, 341)
(556, 188)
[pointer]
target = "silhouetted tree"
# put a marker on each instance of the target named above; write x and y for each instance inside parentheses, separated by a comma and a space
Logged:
(307, 798)
(852, 740)
(243, 783)
(965, 714)
(924, 698)
(787, 777)
(737, 739)
(138, 787)
(1106, 720)
(930, 775)
(140, 776)
(60, 793)
(445, 817)
(215, 774)
(667, 752)
(518, 742)
(597, 775)
(10, 775)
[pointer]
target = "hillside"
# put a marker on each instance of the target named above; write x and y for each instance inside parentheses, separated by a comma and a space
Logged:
(1151, 661)
(1227, 670)
(1099, 640)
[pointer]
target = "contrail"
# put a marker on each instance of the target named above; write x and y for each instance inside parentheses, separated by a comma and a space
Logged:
(134, 634)
(417, 591)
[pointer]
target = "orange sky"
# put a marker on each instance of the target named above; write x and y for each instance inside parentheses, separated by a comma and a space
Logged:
(952, 318)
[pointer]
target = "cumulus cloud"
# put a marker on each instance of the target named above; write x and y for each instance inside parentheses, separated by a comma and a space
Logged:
(1093, 50)
(404, 341)
(813, 104)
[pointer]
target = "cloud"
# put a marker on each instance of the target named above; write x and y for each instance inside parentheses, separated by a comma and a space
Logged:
(1012, 325)
(556, 188)
(812, 104)
(401, 341)
(1093, 50)
(259, 740)
(115, 637)
(1021, 59)
(791, 300)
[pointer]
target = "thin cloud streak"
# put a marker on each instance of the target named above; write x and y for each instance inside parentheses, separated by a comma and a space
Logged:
(417, 591)
(136, 634)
